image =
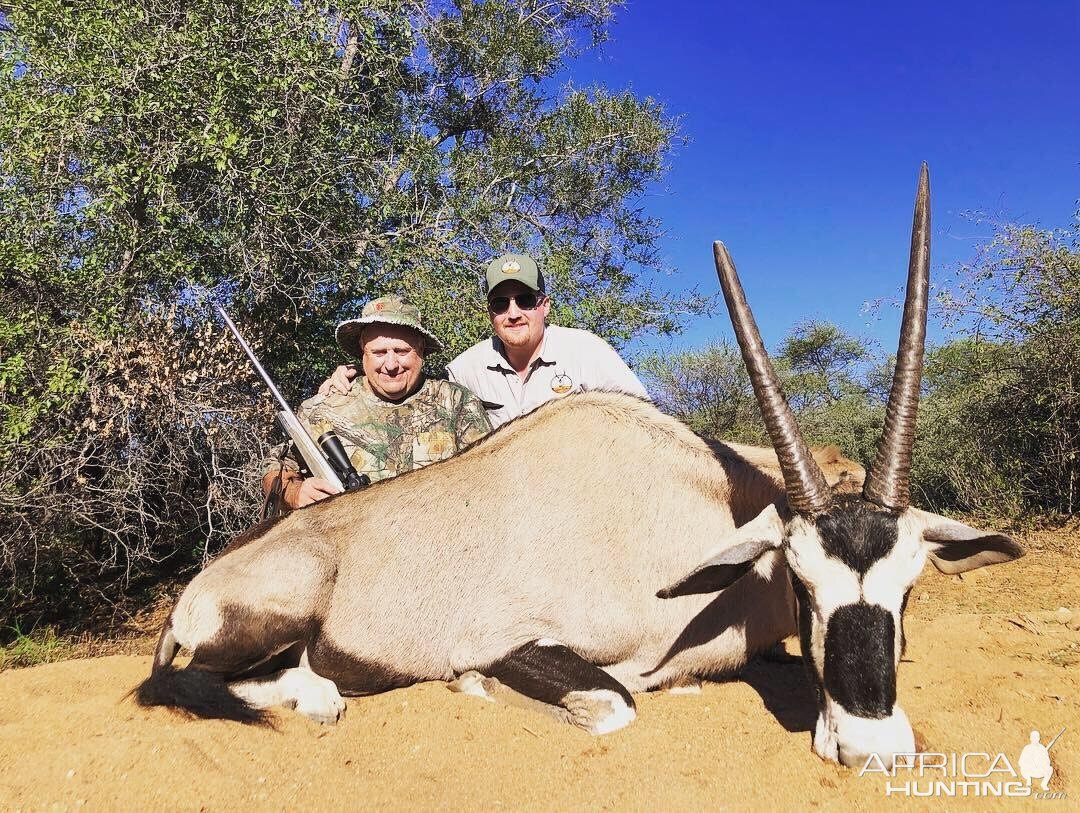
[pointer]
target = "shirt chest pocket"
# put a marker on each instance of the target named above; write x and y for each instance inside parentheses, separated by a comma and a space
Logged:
(429, 447)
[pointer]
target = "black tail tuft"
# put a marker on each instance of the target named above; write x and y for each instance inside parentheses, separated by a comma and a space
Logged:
(199, 692)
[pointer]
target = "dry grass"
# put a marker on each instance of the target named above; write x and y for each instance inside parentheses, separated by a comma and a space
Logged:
(137, 635)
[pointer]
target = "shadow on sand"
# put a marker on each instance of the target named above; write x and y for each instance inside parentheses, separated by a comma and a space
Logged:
(784, 688)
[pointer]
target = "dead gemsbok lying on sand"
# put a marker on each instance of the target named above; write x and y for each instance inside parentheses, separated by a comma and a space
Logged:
(590, 550)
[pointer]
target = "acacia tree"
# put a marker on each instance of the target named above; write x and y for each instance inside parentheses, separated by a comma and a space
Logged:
(293, 160)
(837, 385)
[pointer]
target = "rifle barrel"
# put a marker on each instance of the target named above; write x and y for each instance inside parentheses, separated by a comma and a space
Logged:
(251, 355)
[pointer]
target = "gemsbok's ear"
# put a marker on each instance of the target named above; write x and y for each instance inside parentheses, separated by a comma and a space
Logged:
(734, 559)
(956, 548)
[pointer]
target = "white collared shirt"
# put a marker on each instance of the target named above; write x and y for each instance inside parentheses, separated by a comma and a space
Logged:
(570, 360)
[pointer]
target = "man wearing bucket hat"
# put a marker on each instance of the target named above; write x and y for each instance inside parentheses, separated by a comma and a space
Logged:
(527, 362)
(394, 419)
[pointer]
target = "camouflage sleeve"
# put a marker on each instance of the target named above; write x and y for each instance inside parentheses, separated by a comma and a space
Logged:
(273, 459)
(472, 423)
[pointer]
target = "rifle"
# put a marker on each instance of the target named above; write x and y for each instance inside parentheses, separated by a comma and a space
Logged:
(325, 459)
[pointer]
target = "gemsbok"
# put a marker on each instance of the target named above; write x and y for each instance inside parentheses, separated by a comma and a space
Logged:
(587, 551)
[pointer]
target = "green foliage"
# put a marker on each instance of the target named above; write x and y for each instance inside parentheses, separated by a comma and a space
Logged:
(1003, 418)
(828, 381)
(294, 160)
(823, 372)
(708, 389)
(40, 646)
(955, 464)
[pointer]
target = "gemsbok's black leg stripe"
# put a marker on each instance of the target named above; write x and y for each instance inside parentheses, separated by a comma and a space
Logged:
(549, 672)
(247, 639)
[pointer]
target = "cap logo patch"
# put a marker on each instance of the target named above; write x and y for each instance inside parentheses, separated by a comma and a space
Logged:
(380, 306)
(511, 267)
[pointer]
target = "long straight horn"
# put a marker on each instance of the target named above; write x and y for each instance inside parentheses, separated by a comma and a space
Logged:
(887, 484)
(807, 491)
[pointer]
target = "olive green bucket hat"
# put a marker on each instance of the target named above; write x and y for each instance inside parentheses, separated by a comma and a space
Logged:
(387, 310)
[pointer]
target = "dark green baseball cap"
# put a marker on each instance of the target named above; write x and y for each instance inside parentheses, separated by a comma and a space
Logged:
(518, 267)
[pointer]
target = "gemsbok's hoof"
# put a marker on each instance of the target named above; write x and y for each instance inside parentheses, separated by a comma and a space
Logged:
(316, 697)
(471, 683)
(599, 711)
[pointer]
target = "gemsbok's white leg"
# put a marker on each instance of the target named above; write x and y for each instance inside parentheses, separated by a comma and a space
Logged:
(299, 688)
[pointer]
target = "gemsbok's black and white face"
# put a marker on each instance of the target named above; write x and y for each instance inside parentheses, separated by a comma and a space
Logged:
(852, 568)
(853, 558)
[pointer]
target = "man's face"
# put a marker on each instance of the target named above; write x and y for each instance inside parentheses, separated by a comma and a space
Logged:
(517, 327)
(393, 359)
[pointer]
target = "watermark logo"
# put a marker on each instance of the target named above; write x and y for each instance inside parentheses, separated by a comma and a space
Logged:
(974, 773)
(1035, 760)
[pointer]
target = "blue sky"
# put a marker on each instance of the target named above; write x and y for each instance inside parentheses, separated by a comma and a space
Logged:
(807, 123)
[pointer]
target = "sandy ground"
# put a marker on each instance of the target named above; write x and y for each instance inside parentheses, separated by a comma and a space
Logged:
(989, 659)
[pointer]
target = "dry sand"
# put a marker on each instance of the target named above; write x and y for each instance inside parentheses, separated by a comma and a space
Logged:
(988, 660)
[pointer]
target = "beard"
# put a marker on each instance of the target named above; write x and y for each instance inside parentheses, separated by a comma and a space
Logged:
(517, 337)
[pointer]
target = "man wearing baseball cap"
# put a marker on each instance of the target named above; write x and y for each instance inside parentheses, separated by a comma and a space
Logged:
(528, 362)
(393, 419)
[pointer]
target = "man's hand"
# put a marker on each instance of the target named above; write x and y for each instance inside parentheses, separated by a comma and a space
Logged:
(341, 380)
(299, 493)
(296, 491)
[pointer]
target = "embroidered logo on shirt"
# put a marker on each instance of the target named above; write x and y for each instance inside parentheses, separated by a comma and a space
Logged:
(561, 383)
(510, 267)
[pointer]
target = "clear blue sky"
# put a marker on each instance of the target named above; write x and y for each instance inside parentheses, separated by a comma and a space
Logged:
(807, 123)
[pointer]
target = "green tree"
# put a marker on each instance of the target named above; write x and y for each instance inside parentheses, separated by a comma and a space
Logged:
(292, 161)
(826, 375)
(708, 389)
(1003, 417)
(955, 463)
(832, 383)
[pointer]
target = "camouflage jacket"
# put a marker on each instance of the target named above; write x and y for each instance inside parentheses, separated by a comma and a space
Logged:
(384, 439)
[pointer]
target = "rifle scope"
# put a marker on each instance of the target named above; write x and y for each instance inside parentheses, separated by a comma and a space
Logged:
(330, 443)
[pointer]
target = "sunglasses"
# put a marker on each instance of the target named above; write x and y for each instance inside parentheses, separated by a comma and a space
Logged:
(526, 302)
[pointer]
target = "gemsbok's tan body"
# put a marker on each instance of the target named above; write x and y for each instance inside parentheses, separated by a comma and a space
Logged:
(563, 526)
